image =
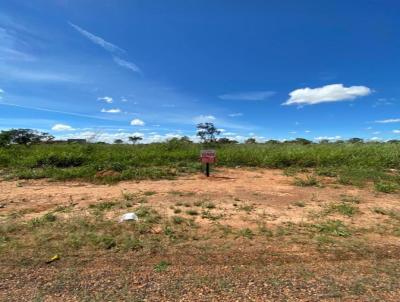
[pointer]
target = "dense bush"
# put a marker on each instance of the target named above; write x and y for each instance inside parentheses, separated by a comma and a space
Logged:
(65, 161)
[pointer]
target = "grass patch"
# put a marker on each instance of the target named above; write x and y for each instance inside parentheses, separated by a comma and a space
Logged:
(386, 187)
(333, 227)
(309, 181)
(192, 212)
(102, 206)
(162, 266)
(343, 208)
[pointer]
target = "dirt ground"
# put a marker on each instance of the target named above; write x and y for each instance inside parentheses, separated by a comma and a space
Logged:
(289, 265)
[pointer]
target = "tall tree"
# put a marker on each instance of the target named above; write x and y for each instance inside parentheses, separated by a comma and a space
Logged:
(134, 139)
(207, 132)
(23, 137)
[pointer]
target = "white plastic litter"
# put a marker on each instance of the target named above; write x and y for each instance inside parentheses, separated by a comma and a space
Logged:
(128, 216)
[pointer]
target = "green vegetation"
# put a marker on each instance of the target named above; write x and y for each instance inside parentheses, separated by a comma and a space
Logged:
(343, 208)
(351, 163)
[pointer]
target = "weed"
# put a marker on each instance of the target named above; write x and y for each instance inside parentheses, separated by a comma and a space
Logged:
(246, 208)
(192, 212)
(386, 187)
(161, 266)
(209, 205)
(102, 206)
(309, 181)
(246, 232)
(300, 204)
(177, 211)
(208, 215)
(149, 193)
(350, 199)
(333, 227)
(343, 208)
(178, 220)
(391, 213)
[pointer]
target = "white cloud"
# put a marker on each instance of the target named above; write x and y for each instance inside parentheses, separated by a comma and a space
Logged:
(331, 138)
(396, 131)
(204, 119)
(1, 93)
(106, 99)
(392, 120)
(137, 122)
(247, 96)
(114, 110)
(62, 127)
(292, 132)
(221, 130)
(375, 138)
(376, 132)
(229, 133)
(35, 75)
(328, 93)
(235, 114)
(97, 40)
(129, 65)
(307, 131)
(124, 99)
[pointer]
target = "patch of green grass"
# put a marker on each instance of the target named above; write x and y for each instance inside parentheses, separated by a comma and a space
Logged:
(246, 232)
(333, 227)
(247, 208)
(103, 206)
(46, 218)
(386, 187)
(161, 266)
(208, 215)
(127, 196)
(178, 220)
(309, 181)
(149, 193)
(343, 208)
(388, 212)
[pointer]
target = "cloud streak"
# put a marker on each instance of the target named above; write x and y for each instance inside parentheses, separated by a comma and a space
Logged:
(96, 39)
(328, 93)
(388, 121)
(129, 65)
(114, 110)
(248, 95)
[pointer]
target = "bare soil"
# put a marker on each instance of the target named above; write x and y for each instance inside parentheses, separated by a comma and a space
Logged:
(291, 266)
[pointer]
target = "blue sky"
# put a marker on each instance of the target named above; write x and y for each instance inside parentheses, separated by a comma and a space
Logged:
(266, 69)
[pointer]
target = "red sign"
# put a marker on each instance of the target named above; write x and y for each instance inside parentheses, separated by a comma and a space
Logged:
(208, 156)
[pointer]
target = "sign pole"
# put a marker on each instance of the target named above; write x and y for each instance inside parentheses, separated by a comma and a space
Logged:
(208, 157)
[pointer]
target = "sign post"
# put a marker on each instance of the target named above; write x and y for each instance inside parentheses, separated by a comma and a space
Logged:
(208, 157)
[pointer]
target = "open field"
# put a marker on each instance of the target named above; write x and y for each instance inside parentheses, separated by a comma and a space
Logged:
(244, 234)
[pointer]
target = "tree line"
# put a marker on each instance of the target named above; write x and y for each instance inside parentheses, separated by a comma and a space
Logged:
(206, 132)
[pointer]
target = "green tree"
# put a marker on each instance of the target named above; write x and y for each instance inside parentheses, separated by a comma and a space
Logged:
(251, 140)
(225, 140)
(355, 140)
(207, 132)
(134, 139)
(23, 137)
(118, 141)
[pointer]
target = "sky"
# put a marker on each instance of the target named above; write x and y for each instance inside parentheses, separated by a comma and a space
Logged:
(278, 69)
